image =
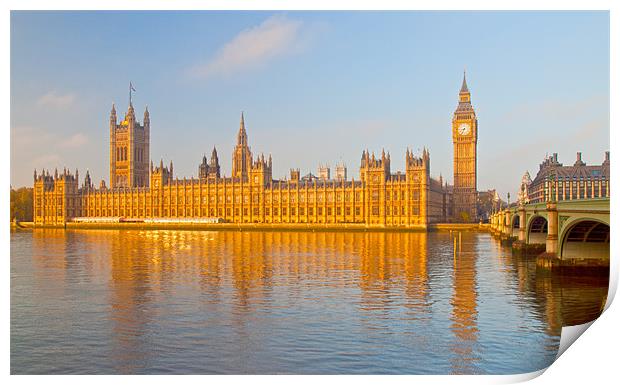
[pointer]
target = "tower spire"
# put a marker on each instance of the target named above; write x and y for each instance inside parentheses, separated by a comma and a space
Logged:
(464, 88)
(242, 137)
(131, 89)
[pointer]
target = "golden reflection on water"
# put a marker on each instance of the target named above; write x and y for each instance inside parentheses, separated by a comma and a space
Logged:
(464, 307)
(240, 272)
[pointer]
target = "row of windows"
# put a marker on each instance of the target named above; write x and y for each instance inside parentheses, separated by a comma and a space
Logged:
(320, 211)
(276, 199)
(121, 154)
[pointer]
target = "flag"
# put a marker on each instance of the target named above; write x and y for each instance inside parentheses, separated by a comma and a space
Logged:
(131, 87)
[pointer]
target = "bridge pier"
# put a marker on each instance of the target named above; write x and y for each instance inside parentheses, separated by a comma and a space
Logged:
(519, 246)
(552, 228)
(506, 237)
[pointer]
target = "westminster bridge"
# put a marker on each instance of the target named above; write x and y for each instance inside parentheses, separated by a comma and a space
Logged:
(565, 233)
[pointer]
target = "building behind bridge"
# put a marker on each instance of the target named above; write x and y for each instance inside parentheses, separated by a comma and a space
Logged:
(558, 182)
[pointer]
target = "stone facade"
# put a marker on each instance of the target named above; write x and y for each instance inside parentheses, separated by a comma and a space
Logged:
(557, 182)
(140, 191)
(129, 149)
(465, 139)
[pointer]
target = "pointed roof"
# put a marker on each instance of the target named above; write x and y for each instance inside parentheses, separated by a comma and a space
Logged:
(242, 137)
(464, 88)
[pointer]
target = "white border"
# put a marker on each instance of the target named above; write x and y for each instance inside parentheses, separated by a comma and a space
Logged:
(592, 360)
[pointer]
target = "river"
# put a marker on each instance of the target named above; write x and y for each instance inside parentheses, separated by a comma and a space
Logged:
(176, 302)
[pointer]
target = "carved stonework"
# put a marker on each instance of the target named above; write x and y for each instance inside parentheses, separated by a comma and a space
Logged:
(561, 220)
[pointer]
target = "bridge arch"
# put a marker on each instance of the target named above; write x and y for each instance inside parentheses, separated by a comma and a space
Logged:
(537, 230)
(585, 238)
(515, 223)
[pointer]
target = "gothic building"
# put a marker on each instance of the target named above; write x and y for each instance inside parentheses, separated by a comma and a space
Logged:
(142, 192)
(129, 149)
(209, 170)
(465, 139)
(242, 156)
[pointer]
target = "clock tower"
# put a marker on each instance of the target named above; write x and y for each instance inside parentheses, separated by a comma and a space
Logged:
(465, 139)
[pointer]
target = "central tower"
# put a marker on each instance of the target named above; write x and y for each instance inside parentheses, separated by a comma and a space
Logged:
(465, 140)
(242, 156)
(129, 149)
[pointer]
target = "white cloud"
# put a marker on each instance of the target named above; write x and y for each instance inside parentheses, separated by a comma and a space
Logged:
(52, 99)
(49, 161)
(253, 47)
(74, 141)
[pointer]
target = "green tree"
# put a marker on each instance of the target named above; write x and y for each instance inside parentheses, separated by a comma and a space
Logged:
(465, 216)
(21, 204)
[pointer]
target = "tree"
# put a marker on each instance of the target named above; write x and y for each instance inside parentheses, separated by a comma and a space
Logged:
(22, 204)
(465, 216)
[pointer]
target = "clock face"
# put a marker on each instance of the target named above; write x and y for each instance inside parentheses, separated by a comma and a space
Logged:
(464, 129)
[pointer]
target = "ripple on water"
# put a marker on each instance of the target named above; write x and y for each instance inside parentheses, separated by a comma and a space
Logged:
(235, 302)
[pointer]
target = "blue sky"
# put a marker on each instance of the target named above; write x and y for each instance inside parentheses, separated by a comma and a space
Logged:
(316, 87)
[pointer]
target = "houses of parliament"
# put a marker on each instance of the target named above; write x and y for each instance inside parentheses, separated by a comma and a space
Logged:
(141, 191)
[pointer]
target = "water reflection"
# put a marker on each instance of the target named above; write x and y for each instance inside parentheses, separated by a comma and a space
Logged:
(464, 306)
(284, 302)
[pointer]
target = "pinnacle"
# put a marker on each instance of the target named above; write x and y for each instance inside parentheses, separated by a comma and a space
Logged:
(464, 88)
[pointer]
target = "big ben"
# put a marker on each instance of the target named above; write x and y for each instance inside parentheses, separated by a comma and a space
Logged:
(465, 139)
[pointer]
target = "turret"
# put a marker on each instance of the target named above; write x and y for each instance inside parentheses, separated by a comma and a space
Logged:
(87, 182)
(215, 162)
(378, 167)
(606, 161)
(147, 117)
(579, 162)
(113, 115)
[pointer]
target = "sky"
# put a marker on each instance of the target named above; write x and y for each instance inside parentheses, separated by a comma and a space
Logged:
(315, 87)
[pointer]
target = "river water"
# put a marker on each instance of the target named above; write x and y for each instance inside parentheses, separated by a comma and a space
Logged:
(146, 302)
